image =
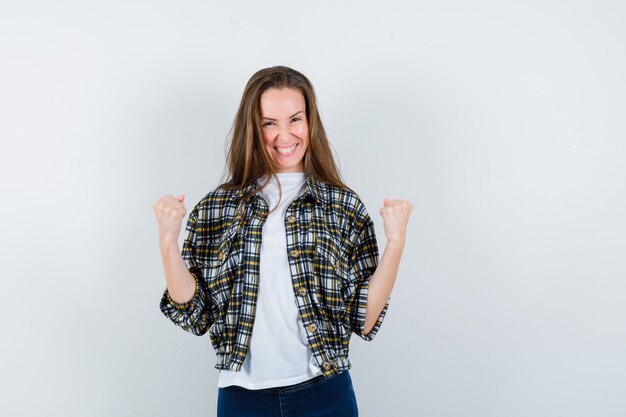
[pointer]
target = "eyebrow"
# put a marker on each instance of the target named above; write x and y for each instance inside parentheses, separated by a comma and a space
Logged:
(295, 114)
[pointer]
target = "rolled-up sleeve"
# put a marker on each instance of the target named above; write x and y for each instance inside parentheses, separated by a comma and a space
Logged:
(193, 316)
(363, 263)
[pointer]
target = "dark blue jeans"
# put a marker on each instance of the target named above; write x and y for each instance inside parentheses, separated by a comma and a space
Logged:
(317, 397)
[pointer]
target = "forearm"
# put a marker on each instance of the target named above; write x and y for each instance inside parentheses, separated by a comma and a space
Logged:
(180, 283)
(382, 282)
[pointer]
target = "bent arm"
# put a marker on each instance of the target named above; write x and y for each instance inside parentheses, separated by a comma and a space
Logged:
(381, 283)
(185, 301)
(180, 283)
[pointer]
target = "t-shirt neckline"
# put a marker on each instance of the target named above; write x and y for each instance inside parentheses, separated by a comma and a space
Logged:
(288, 177)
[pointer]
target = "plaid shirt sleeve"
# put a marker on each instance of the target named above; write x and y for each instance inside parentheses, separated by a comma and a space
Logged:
(363, 263)
(193, 316)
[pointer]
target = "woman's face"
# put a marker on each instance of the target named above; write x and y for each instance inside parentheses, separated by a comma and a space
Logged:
(285, 128)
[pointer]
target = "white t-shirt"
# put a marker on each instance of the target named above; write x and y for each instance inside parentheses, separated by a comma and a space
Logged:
(278, 352)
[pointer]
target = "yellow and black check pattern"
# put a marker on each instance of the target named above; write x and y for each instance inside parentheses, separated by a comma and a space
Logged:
(332, 253)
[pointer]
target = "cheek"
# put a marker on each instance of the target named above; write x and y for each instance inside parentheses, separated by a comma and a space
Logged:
(303, 132)
(266, 139)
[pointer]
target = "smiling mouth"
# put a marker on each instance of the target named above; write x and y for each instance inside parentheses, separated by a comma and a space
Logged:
(286, 151)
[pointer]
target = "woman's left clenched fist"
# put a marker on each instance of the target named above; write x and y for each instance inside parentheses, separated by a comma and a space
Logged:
(395, 214)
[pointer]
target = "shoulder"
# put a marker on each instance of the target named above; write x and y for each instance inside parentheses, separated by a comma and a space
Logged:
(218, 196)
(214, 214)
(216, 203)
(347, 202)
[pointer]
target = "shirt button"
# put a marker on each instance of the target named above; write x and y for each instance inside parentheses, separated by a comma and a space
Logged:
(326, 365)
(294, 253)
(312, 327)
(301, 291)
(291, 219)
(337, 264)
(221, 256)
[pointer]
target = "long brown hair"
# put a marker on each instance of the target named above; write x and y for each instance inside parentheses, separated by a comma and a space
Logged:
(247, 159)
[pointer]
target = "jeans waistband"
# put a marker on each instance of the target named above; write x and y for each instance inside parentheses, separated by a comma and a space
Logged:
(314, 380)
(320, 379)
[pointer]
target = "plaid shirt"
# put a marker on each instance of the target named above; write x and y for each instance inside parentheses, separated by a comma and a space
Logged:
(332, 252)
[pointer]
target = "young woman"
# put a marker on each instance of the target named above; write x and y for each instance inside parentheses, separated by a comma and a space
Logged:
(280, 263)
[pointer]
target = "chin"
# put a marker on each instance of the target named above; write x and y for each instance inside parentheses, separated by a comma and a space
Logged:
(295, 167)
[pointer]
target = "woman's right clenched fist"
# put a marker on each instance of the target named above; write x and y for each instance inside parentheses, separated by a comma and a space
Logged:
(169, 212)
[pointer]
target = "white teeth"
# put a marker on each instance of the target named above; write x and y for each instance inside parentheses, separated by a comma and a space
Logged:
(285, 150)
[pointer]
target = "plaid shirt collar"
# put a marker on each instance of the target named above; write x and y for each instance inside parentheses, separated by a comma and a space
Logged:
(313, 187)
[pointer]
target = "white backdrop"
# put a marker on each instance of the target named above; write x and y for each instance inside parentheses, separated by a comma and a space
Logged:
(503, 123)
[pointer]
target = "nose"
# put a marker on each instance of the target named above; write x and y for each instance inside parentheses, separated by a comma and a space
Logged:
(283, 132)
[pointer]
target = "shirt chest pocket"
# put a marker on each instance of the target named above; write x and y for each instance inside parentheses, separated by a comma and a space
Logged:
(219, 261)
(331, 274)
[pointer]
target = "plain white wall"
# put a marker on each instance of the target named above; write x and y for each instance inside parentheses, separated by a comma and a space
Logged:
(503, 123)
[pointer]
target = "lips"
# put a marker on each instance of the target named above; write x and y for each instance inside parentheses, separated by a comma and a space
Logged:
(286, 150)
